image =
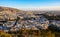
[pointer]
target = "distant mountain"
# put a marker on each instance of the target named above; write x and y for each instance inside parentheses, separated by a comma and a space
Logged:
(9, 9)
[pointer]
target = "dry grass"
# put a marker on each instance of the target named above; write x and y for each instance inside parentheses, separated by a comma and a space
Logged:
(32, 33)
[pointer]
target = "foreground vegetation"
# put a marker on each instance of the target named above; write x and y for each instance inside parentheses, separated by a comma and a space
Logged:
(30, 33)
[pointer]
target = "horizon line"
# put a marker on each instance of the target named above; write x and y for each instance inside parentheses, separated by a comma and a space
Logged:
(43, 8)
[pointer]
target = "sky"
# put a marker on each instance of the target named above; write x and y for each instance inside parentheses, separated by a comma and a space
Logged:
(32, 4)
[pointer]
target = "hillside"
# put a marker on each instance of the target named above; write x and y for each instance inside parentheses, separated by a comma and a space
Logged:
(9, 9)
